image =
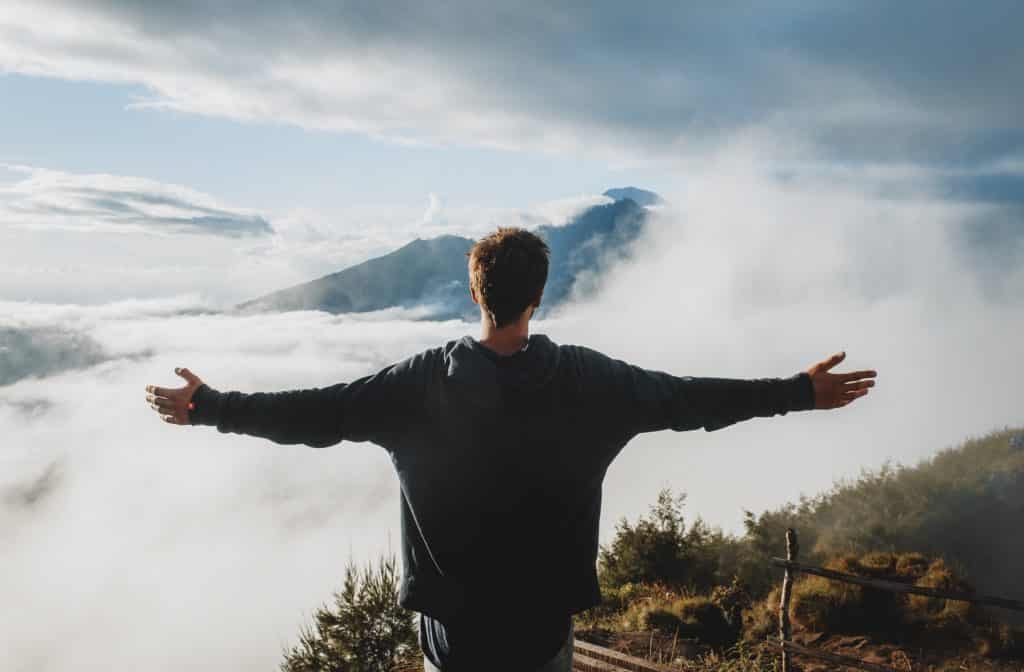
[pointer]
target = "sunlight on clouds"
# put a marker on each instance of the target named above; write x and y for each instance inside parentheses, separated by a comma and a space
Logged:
(106, 511)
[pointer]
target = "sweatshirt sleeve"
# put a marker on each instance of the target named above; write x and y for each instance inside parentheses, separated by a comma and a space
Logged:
(367, 409)
(648, 401)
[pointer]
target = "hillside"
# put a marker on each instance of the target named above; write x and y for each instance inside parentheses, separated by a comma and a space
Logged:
(949, 522)
(433, 272)
(966, 504)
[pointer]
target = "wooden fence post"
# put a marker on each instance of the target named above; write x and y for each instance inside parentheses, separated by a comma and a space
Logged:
(792, 549)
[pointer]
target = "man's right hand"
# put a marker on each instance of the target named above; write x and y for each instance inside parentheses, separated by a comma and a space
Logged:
(173, 403)
(833, 390)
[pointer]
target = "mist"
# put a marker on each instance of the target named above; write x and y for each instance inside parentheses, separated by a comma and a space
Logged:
(755, 276)
(128, 542)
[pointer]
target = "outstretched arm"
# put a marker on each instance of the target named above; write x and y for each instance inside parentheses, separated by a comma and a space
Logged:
(366, 409)
(655, 400)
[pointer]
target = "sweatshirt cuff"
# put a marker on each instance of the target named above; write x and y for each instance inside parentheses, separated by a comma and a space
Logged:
(206, 406)
(801, 392)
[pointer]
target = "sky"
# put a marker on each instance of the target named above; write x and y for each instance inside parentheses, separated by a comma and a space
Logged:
(839, 177)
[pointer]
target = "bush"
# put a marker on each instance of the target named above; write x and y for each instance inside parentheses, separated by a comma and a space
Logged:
(367, 631)
(659, 619)
(912, 565)
(947, 618)
(692, 617)
(660, 549)
(702, 619)
(732, 600)
(761, 619)
(822, 605)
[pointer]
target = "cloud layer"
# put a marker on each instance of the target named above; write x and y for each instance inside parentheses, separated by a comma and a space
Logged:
(107, 512)
(868, 80)
(227, 542)
(112, 203)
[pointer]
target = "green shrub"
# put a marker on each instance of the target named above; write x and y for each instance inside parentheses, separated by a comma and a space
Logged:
(660, 619)
(911, 566)
(366, 631)
(702, 619)
(660, 548)
(732, 599)
(695, 617)
(761, 619)
(923, 609)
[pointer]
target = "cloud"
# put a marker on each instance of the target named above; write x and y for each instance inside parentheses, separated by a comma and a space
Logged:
(761, 276)
(662, 81)
(105, 511)
(114, 203)
(434, 214)
(30, 493)
(40, 352)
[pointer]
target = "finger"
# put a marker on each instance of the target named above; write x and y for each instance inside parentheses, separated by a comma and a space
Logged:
(859, 385)
(163, 404)
(833, 360)
(855, 375)
(154, 399)
(187, 375)
(169, 418)
(160, 391)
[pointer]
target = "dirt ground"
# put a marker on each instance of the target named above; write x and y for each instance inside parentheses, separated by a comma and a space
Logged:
(686, 653)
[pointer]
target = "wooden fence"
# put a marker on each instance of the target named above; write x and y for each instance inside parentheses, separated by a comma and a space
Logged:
(792, 567)
(587, 657)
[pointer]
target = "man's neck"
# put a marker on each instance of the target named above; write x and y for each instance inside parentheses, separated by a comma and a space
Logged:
(507, 340)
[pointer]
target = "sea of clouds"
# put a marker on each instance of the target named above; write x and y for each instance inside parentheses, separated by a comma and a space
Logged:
(129, 543)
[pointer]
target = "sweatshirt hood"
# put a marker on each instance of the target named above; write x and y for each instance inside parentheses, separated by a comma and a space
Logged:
(487, 377)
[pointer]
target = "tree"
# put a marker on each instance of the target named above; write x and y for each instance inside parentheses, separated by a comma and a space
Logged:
(366, 631)
(659, 549)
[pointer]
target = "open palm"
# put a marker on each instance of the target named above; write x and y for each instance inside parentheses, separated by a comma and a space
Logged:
(833, 390)
(173, 404)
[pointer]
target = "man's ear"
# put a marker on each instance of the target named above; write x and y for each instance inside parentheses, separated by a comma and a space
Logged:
(535, 305)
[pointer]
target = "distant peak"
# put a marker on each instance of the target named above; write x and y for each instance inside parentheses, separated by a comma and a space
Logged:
(640, 196)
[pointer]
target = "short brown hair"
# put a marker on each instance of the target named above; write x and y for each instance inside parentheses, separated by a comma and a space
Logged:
(507, 270)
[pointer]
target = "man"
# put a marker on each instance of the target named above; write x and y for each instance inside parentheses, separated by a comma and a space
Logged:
(501, 446)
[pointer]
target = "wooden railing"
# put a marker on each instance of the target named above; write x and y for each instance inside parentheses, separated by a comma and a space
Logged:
(589, 657)
(792, 566)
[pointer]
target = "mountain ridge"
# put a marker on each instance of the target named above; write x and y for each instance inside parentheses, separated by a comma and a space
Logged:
(432, 272)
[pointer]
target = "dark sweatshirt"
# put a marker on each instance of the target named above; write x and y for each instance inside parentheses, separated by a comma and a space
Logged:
(500, 460)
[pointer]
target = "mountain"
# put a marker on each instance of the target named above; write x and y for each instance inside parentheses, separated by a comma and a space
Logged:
(640, 196)
(413, 274)
(433, 272)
